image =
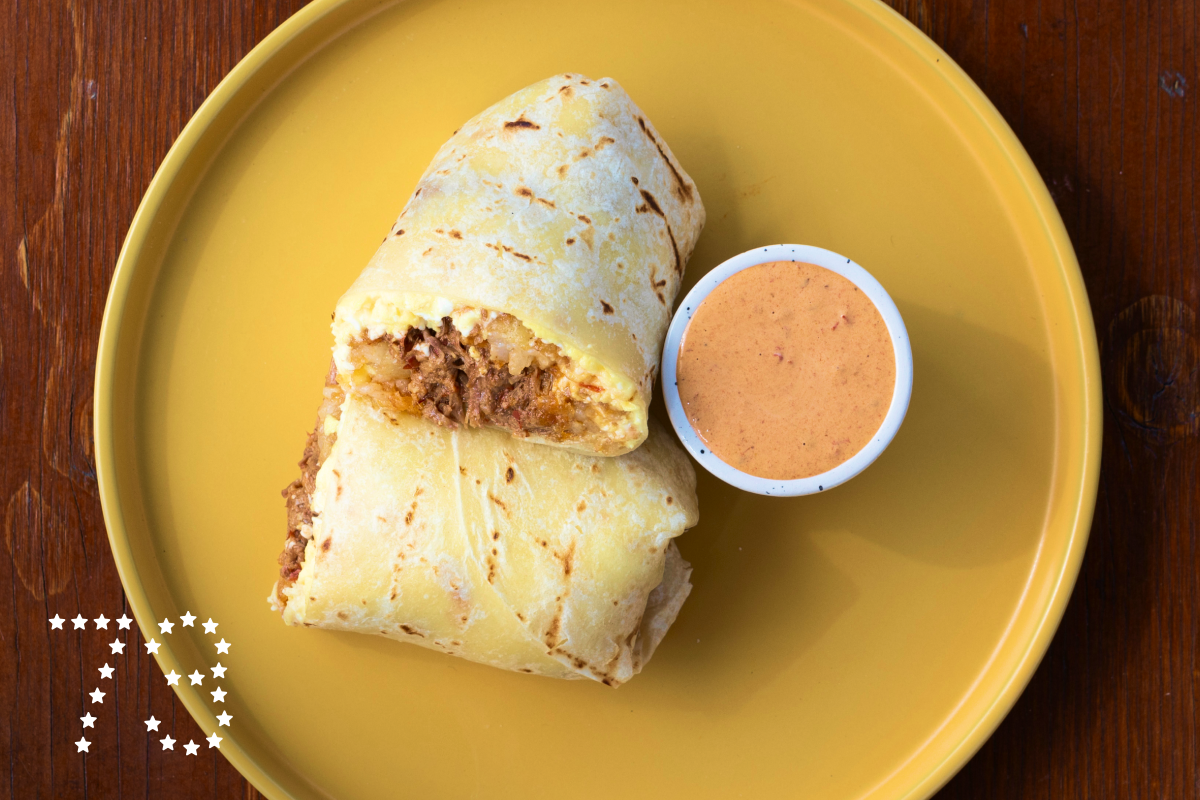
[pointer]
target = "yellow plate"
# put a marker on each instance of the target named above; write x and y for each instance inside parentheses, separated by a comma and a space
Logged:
(861, 643)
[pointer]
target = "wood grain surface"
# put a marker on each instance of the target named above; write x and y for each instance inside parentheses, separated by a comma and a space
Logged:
(1101, 92)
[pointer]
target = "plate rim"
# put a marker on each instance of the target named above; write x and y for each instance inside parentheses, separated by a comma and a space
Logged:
(230, 87)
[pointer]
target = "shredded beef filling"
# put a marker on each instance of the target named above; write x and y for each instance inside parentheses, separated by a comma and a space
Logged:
(454, 387)
(299, 510)
(299, 492)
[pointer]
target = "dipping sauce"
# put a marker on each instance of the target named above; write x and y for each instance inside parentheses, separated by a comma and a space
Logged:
(786, 370)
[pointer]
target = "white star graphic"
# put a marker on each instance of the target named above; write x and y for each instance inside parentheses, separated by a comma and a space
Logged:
(196, 677)
(79, 621)
(173, 678)
(191, 748)
(166, 626)
(214, 741)
(152, 724)
(117, 646)
(218, 695)
(224, 718)
(188, 618)
(218, 671)
(82, 745)
(152, 646)
(106, 671)
(123, 622)
(56, 623)
(88, 720)
(222, 647)
(101, 622)
(210, 626)
(97, 697)
(168, 743)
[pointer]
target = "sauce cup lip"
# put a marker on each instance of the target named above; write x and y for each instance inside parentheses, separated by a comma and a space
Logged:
(900, 346)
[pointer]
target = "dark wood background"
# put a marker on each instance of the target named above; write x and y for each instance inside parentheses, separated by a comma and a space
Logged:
(1102, 93)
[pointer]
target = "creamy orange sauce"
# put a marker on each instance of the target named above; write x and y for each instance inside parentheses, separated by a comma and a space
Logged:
(786, 370)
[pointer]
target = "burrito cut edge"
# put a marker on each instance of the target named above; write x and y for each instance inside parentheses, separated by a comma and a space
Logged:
(475, 544)
(528, 282)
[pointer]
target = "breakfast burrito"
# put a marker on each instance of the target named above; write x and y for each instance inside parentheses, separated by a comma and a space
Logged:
(527, 284)
(473, 543)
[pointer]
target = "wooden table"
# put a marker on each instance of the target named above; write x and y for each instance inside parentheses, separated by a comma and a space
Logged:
(1102, 93)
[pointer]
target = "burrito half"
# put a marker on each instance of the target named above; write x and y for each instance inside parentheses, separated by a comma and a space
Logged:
(527, 284)
(470, 542)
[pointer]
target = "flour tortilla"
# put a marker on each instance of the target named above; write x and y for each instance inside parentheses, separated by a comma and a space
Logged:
(508, 553)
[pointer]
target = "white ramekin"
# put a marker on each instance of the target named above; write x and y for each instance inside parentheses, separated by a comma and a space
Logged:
(900, 345)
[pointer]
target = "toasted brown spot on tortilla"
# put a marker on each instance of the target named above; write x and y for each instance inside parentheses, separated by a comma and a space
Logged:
(681, 187)
(454, 234)
(411, 631)
(393, 594)
(659, 284)
(496, 500)
(524, 191)
(635, 180)
(570, 241)
(660, 297)
(595, 467)
(526, 669)
(605, 141)
(584, 153)
(604, 86)
(551, 637)
(544, 543)
(546, 203)
(567, 90)
(325, 545)
(520, 616)
(562, 171)
(400, 232)
(342, 615)
(495, 535)
(650, 201)
(608, 309)
(511, 251)
(584, 218)
(462, 470)
(427, 252)
(607, 682)
(675, 250)
(614, 602)
(408, 518)
(521, 122)
(582, 506)
(509, 474)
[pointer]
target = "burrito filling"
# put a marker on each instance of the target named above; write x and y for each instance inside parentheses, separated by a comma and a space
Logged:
(497, 374)
(299, 492)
